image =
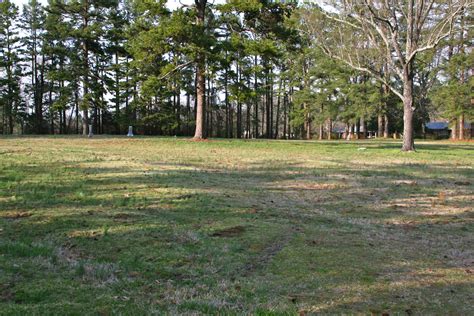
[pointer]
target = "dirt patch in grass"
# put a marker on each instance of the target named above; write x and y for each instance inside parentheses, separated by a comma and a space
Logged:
(268, 253)
(120, 217)
(16, 215)
(229, 232)
(462, 183)
(199, 140)
(309, 186)
(183, 197)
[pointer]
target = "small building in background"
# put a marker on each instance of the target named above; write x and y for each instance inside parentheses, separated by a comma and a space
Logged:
(468, 130)
(441, 130)
(437, 130)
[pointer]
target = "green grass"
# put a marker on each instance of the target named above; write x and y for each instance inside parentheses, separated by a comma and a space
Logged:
(165, 225)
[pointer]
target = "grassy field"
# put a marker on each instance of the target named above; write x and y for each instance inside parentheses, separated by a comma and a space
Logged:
(164, 225)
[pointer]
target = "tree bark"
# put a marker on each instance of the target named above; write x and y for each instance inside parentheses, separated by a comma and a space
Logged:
(239, 103)
(277, 118)
(379, 125)
(255, 83)
(268, 126)
(227, 103)
(454, 131)
(285, 116)
(350, 129)
(308, 127)
(408, 109)
(40, 95)
(76, 100)
(270, 98)
(50, 104)
(188, 112)
(200, 76)
(85, 48)
(461, 127)
(306, 124)
(385, 128)
(363, 130)
(329, 129)
(200, 94)
(117, 94)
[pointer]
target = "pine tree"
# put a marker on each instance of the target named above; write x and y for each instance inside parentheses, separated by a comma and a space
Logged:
(10, 68)
(32, 23)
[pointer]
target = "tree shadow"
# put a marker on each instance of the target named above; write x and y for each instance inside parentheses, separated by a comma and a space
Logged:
(359, 238)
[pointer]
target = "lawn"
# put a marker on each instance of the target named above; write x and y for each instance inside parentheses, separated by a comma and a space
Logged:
(165, 225)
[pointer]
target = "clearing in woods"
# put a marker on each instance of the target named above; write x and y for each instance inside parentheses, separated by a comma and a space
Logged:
(163, 225)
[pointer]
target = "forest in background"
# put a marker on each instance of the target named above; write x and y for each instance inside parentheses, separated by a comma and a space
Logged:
(242, 69)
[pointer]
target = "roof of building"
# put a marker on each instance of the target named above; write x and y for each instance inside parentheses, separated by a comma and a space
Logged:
(437, 125)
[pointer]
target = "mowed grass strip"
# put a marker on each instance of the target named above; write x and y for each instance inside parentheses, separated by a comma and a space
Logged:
(112, 225)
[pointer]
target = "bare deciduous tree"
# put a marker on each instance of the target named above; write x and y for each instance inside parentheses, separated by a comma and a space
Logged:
(366, 34)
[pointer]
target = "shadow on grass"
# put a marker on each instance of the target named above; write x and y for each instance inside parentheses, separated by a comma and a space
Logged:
(308, 236)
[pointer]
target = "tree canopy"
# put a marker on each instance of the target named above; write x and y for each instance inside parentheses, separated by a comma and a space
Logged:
(239, 68)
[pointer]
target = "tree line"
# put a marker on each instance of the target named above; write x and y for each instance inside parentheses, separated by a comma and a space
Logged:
(239, 69)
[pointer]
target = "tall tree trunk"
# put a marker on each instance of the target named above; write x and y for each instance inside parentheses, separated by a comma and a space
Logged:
(270, 95)
(200, 75)
(385, 129)
(454, 131)
(408, 109)
(76, 101)
(3, 121)
(308, 125)
(127, 109)
(461, 127)
(255, 86)
(380, 125)
(117, 95)
(249, 119)
(350, 129)
(267, 102)
(329, 128)
(9, 101)
(227, 103)
(69, 121)
(263, 116)
(85, 48)
(178, 110)
(200, 95)
(188, 112)
(277, 119)
(462, 77)
(50, 103)
(40, 96)
(362, 129)
(239, 103)
(208, 109)
(285, 116)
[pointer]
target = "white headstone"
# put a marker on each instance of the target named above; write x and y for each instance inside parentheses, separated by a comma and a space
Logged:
(130, 131)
